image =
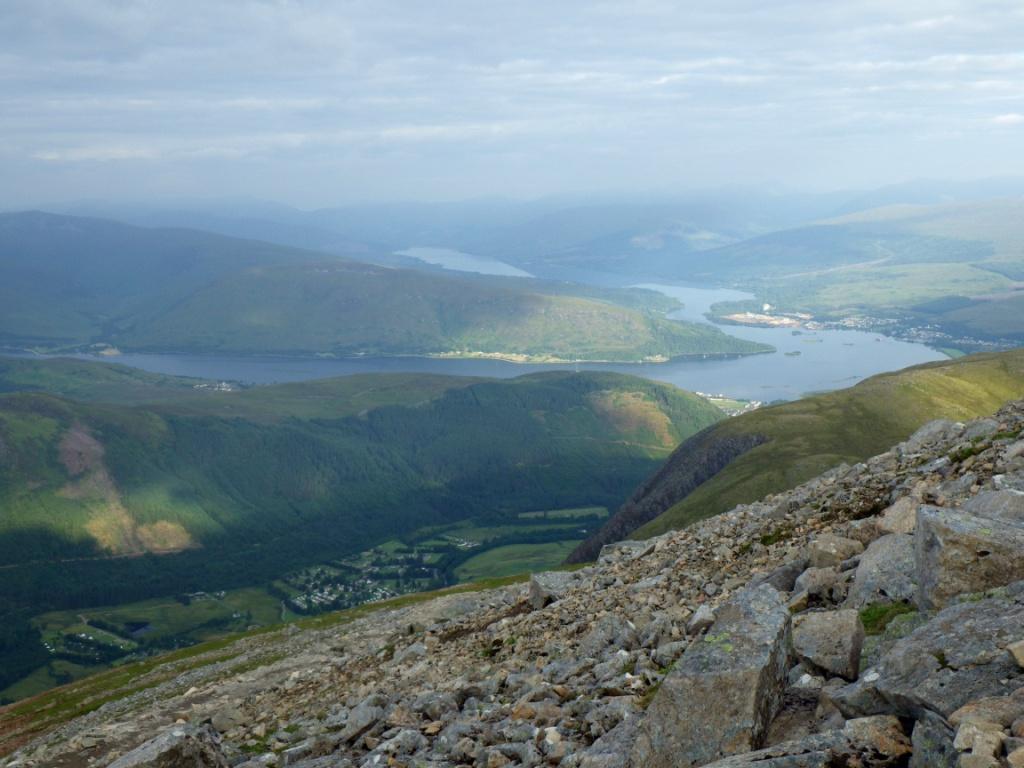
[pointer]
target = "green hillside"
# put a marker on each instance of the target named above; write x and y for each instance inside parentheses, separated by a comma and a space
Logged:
(86, 380)
(66, 279)
(196, 489)
(904, 260)
(778, 447)
(999, 316)
(350, 309)
(67, 283)
(203, 465)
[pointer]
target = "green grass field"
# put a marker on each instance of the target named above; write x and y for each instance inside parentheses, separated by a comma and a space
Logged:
(168, 618)
(57, 672)
(561, 514)
(185, 471)
(515, 558)
(481, 533)
(168, 622)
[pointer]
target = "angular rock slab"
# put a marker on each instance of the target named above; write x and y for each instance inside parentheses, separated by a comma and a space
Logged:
(958, 553)
(823, 583)
(901, 517)
(549, 587)
(940, 430)
(886, 572)
(724, 692)
(1007, 506)
(830, 641)
(830, 550)
(958, 657)
(933, 744)
(624, 551)
(182, 745)
(612, 749)
(870, 742)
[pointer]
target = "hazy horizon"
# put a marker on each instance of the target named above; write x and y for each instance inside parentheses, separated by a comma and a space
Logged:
(317, 104)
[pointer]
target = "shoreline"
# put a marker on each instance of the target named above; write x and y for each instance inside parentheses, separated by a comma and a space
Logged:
(506, 357)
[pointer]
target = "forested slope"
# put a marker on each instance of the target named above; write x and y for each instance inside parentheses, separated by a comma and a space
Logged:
(108, 503)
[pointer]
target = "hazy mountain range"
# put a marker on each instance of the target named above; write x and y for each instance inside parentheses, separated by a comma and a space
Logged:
(68, 282)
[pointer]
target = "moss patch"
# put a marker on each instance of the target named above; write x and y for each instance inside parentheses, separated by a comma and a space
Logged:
(876, 617)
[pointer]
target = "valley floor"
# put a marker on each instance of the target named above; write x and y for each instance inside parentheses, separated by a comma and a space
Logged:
(85, 641)
(604, 665)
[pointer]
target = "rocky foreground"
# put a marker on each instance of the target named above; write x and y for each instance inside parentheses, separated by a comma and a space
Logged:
(871, 617)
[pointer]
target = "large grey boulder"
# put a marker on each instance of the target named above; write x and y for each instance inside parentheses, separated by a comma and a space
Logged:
(957, 657)
(183, 746)
(548, 587)
(782, 578)
(609, 634)
(624, 551)
(411, 653)
(226, 718)
(870, 742)
(885, 573)
(940, 430)
(723, 693)
(957, 552)
(1011, 480)
(362, 718)
(980, 428)
(702, 619)
(830, 641)
(609, 751)
(824, 584)
(1007, 506)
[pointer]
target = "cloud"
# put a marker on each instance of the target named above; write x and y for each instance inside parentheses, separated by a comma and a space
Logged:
(237, 96)
(95, 154)
(933, 23)
(452, 131)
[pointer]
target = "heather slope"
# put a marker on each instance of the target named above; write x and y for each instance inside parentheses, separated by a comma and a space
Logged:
(778, 447)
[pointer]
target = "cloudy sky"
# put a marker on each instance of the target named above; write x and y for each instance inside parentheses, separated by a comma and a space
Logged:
(316, 103)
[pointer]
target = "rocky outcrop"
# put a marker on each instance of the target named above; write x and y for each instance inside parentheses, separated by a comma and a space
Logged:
(856, 620)
(959, 551)
(723, 694)
(959, 656)
(830, 642)
(871, 742)
(548, 587)
(183, 746)
(885, 573)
